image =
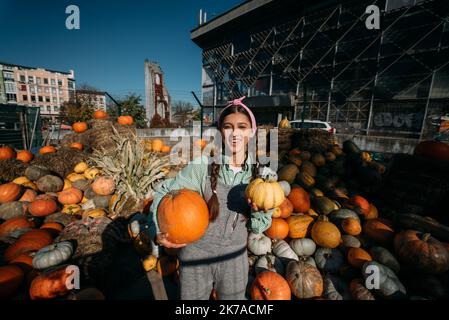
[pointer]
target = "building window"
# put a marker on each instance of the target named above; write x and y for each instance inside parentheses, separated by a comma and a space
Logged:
(23, 87)
(39, 89)
(47, 90)
(60, 91)
(32, 89)
(56, 108)
(33, 98)
(10, 87)
(47, 99)
(61, 100)
(59, 82)
(53, 90)
(71, 84)
(41, 99)
(45, 80)
(53, 82)
(22, 78)
(25, 97)
(38, 80)
(30, 79)
(55, 100)
(8, 75)
(11, 97)
(48, 108)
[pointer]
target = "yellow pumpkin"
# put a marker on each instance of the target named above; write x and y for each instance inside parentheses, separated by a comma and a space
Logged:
(71, 209)
(366, 157)
(91, 173)
(75, 176)
(21, 180)
(81, 167)
(265, 194)
(84, 200)
(94, 213)
(284, 123)
(67, 184)
(149, 263)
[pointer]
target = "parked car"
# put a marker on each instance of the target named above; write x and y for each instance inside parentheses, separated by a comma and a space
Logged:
(313, 124)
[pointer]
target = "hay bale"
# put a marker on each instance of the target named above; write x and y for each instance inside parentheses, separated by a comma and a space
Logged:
(61, 162)
(11, 169)
(313, 140)
(98, 135)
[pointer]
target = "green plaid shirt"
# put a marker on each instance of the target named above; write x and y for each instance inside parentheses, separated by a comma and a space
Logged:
(194, 177)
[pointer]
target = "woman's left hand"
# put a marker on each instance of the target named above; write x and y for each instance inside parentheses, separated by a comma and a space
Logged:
(254, 206)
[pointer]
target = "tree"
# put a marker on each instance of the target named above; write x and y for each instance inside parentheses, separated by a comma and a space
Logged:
(131, 106)
(72, 111)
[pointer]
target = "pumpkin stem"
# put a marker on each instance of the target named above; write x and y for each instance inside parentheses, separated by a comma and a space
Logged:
(425, 237)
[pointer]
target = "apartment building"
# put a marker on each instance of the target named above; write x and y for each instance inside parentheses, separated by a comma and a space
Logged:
(29, 86)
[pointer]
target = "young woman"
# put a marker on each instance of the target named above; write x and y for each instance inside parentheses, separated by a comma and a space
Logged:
(219, 259)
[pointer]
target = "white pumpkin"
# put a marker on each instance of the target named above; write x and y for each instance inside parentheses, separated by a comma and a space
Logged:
(303, 247)
(52, 255)
(308, 259)
(259, 244)
(269, 262)
(282, 250)
(286, 187)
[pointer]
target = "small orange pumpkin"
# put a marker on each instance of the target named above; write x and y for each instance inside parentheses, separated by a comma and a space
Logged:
(325, 233)
(54, 228)
(100, 114)
(14, 224)
(47, 149)
(360, 205)
(373, 213)
(103, 186)
(278, 229)
(125, 120)
(25, 156)
(11, 277)
(79, 127)
(43, 207)
(157, 145)
(380, 230)
(299, 225)
(70, 196)
(351, 226)
(165, 149)
(7, 153)
(77, 145)
(284, 210)
(28, 196)
(9, 192)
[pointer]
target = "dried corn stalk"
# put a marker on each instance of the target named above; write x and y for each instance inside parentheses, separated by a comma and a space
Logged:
(134, 172)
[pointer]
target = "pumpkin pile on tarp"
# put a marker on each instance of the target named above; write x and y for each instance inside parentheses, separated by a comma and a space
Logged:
(326, 238)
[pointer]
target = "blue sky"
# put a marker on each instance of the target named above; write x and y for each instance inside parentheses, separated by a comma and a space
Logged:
(115, 37)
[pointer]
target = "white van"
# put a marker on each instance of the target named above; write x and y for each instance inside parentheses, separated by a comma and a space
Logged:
(313, 124)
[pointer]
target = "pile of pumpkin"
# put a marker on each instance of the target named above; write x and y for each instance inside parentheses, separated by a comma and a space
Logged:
(155, 145)
(327, 241)
(34, 209)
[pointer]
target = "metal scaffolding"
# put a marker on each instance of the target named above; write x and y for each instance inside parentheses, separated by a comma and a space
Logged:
(352, 74)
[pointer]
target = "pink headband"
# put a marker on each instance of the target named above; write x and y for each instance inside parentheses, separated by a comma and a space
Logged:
(238, 102)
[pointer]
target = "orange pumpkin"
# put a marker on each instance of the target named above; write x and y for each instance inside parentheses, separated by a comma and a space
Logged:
(157, 145)
(100, 114)
(7, 153)
(165, 149)
(125, 120)
(70, 196)
(325, 233)
(300, 200)
(79, 127)
(357, 257)
(25, 156)
(284, 210)
(351, 226)
(294, 152)
(201, 143)
(14, 224)
(28, 196)
(103, 186)
(77, 145)
(299, 225)
(33, 240)
(9, 192)
(11, 277)
(54, 228)
(43, 207)
(278, 229)
(24, 261)
(380, 229)
(184, 215)
(269, 285)
(47, 149)
(50, 285)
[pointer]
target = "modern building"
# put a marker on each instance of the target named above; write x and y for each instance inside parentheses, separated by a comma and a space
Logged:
(37, 87)
(96, 99)
(318, 59)
(156, 93)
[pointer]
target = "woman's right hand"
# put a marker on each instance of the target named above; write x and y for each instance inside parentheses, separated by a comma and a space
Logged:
(161, 239)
